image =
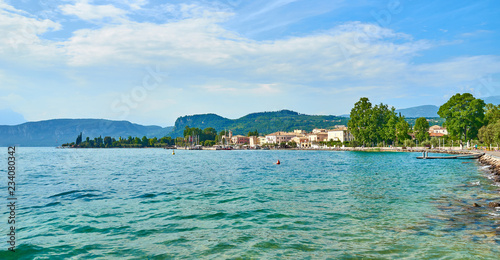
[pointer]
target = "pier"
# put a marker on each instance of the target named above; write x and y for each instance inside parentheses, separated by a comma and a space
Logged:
(425, 155)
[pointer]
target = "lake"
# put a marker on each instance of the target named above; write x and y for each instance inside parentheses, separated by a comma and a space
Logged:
(150, 204)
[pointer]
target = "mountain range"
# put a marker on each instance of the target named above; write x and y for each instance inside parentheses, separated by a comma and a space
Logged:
(264, 122)
(58, 131)
(420, 111)
(495, 100)
(427, 111)
(9, 117)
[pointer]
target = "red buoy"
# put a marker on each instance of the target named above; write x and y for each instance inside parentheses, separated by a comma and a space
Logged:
(278, 162)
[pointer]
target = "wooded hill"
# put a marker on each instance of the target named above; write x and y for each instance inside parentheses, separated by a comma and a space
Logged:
(264, 122)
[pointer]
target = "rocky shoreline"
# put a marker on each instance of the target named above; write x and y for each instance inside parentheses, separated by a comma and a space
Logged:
(494, 163)
(494, 166)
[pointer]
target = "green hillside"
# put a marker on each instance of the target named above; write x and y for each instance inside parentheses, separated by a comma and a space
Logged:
(264, 122)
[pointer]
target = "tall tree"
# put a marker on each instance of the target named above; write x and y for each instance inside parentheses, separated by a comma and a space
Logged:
(359, 122)
(492, 113)
(254, 133)
(421, 129)
(402, 129)
(390, 126)
(79, 139)
(490, 134)
(107, 141)
(464, 115)
(209, 133)
(144, 141)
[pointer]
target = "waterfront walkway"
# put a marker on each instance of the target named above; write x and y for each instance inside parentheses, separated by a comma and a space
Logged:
(493, 153)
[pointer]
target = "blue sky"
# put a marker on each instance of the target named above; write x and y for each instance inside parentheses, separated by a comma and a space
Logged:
(151, 61)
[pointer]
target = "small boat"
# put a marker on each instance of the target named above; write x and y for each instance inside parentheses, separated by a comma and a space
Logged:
(220, 147)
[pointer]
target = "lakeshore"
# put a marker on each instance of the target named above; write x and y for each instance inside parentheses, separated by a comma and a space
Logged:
(492, 159)
(207, 205)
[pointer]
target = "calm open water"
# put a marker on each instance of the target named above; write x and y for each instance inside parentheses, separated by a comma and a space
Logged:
(150, 204)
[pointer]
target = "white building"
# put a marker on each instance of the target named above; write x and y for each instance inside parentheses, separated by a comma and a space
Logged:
(302, 141)
(341, 134)
(318, 137)
(317, 131)
(435, 129)
(299, 132)
(279, 137)
(255, 141)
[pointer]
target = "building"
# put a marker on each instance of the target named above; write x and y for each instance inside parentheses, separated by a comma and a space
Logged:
(227, 138)
(435, 129)
(340, 134)
(318, 137)
(299, 132)
(317, 131)
(254, 141)
(279, 137)
(240, 139)
(302, 141)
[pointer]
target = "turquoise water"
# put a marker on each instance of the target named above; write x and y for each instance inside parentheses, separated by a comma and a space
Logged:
(150, 204)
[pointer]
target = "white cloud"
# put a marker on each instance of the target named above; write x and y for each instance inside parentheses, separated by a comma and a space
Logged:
(352, 49)
(13, 101)
(136, 4)
(85, 11)
(21, 34)
(241, 89)
(205, 58)
(456, 71)
(350, 56)
(270, 7)
(476, 33)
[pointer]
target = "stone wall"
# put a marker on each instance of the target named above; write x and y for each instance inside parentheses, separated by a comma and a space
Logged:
(494, 163)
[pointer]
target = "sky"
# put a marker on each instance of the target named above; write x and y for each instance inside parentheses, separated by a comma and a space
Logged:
(150, 62)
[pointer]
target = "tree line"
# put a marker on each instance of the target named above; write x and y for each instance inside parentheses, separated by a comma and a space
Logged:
(192, 135)
(130, 142)
(372, 125)
(466, 119)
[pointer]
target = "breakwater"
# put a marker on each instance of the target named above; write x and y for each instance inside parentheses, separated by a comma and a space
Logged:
(493, 164)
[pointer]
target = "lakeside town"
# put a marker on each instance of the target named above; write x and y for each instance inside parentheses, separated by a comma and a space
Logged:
(469, 123)
(339, 137)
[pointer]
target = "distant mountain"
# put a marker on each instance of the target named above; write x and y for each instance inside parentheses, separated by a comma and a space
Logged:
(9, 117)
(495, 100)
(426, 111)
(58, 131)
(265, 122)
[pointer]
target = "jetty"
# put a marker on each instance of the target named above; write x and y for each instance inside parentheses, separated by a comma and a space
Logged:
(425, 155)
